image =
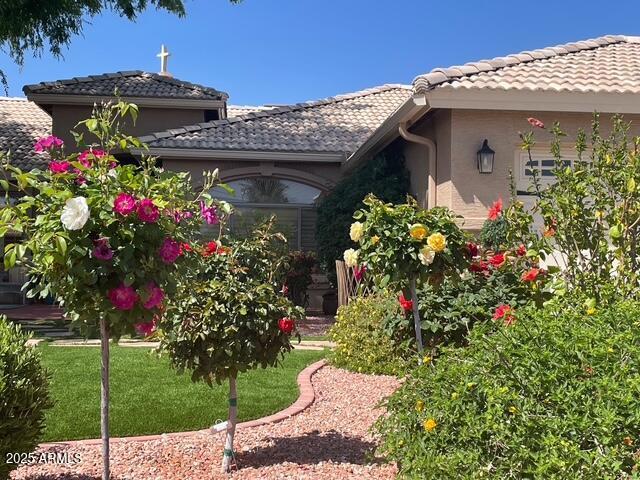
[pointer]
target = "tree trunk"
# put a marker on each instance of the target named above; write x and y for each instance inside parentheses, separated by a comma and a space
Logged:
(104, 402)
(416, 316)
(229, 456)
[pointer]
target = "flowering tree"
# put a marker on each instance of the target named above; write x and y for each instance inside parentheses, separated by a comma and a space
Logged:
(403, 244)
(229, 317)
(102, 238)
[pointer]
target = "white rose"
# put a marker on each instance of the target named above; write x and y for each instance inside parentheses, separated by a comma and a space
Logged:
(356, 231)
(75, 213)
(351, 257)
(426, 255)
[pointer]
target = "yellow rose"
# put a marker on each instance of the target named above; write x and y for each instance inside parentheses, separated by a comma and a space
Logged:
(437, 242)
(351, 257)
(375, 239)
(419, 406)
(513, 410)
(430, 424)
(356, 231)
(418, 231)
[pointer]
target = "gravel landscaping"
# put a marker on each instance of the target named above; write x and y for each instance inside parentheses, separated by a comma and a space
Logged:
(330, 440)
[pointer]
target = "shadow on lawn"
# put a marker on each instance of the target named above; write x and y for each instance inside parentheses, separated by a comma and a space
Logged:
(309, 449)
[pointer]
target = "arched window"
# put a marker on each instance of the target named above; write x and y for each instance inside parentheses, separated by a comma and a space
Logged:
(292, 202)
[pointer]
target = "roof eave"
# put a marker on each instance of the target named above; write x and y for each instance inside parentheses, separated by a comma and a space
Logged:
(533, 100)
(243, 155)
(153, 102)
(412, 108)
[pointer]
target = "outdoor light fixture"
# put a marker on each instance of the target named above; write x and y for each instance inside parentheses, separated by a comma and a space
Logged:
(485, 158)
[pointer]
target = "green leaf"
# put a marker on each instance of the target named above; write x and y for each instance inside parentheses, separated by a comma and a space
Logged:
(129, 279)
(631, 185)
(61, 245)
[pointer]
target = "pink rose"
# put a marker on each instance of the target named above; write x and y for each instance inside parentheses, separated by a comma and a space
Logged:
(146, 328)
(47, 143)
(84, 159)
(209, 214)
(154, 295)
(147, 211)
(169, 250)
(57, 167)
(123, 297)
(102, 249)
(124, 204)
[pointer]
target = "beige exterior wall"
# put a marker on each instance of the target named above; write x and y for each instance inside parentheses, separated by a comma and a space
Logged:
(473, 192)
(65, 118)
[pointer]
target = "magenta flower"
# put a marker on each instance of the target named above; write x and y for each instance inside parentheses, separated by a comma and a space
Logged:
(84, 159)
(146, 328)
(102, 249)
(359, 271)
(123, 297)
(155, 296)
(169, 250)
(209, 214)
(47, 143)
(124, 204)
(57, 167)
(178, 216)
(147, 211)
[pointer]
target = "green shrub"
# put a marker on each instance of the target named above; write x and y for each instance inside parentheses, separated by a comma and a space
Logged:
(298, 276)
(493, 234)
(385, 176)
(372, 335)
(556, 395)
(24, 395)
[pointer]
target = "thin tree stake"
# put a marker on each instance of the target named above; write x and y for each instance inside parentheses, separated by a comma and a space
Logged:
(228, 456)
(104, 401)
(416, 316)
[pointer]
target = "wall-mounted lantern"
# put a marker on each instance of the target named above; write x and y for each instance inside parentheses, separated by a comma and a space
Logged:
(485, 158)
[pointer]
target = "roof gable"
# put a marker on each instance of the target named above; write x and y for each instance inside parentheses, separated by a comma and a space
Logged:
(605, 64)
(134, 83)
(337, 125)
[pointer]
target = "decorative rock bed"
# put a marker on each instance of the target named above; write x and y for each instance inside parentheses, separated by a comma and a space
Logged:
(328, 440)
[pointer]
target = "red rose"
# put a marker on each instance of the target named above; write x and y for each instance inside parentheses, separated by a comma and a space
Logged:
(285, 290)
(531, 275)
(472, 248)
(209, 249)
(496, 210)
(286, 325)
(407, 305)
(522, 251)
(505, 312)
(479, 267)
(185, 247)
(535, 122)
(358, 272)
(497, 260)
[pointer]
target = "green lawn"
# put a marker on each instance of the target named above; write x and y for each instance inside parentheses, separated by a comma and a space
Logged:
(148, 397)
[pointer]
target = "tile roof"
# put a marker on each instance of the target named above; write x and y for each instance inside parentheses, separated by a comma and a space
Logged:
(134, 83)
(22, 123)
(338, 125)
(605, 64)
(238, 110)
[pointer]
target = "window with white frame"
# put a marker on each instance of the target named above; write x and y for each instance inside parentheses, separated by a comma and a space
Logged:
(541, 162)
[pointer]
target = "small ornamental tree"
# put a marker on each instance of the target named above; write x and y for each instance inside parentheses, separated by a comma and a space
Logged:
(230, 317)
(102, 238)
(405, 244)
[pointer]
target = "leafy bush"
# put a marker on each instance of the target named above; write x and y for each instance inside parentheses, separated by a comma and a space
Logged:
(493, 234)
(510, 277)
(385, 176)
(298, 276)
(372, 336)
(24, 395)
(555, 395)
(591, 211)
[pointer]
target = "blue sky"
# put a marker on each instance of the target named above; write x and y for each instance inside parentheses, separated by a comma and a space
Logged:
(284, 51)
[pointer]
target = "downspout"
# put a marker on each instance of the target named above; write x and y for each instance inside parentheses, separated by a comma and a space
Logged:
(432, 152)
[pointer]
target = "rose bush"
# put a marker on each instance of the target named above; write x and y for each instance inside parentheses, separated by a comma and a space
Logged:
(98, 236)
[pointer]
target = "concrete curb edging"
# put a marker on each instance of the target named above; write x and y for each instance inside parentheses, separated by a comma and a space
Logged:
(304, 401)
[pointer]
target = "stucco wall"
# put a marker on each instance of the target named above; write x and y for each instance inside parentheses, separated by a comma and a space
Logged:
(472, 192)
(65, 118)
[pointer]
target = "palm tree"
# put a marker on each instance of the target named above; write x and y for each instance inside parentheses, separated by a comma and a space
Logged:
(264, 190)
